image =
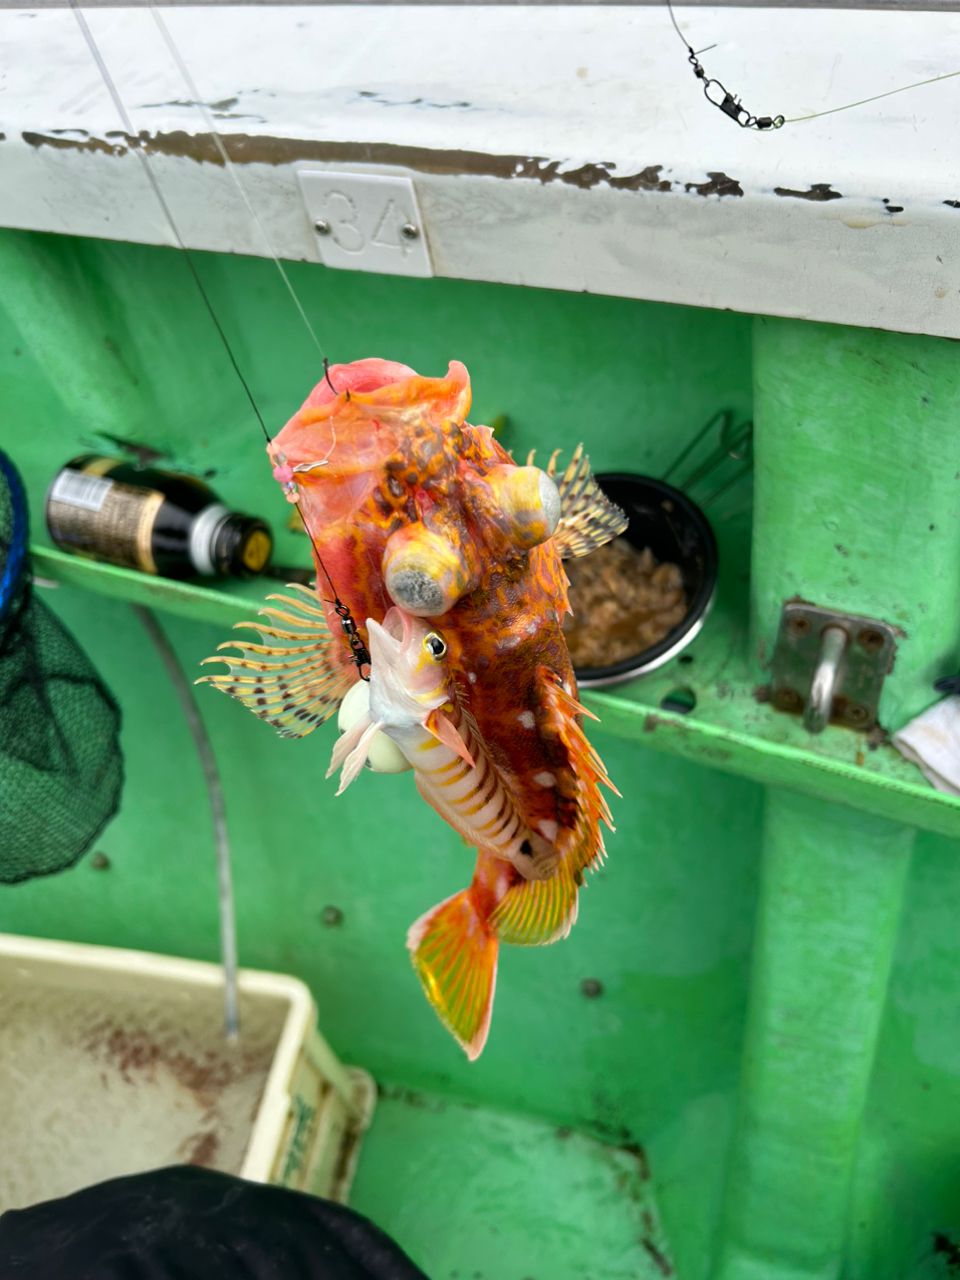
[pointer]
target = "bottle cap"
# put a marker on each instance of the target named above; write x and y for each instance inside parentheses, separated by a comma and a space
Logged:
(242, 546)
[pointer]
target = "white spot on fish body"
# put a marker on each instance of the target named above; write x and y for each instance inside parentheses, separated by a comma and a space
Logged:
(526, 719)
(545, 779)
(531, 627)
(472, 677)
(548, 829)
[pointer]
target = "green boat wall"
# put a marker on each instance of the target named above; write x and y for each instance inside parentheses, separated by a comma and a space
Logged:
(771, 1062)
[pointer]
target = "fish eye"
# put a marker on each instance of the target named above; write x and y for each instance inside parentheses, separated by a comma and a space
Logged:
(435, 645)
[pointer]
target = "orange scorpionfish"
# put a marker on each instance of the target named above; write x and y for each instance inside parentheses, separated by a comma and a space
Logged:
(409, 505)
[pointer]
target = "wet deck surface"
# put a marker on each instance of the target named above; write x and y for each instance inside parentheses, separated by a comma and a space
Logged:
(474, 1194)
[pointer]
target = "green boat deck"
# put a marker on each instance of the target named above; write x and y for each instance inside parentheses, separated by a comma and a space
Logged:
(587, 1209)
(744, 1063)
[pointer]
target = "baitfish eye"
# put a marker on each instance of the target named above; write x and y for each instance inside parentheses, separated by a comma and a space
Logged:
(435, 645)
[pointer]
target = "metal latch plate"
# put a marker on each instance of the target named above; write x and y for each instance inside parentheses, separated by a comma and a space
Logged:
(866, 660)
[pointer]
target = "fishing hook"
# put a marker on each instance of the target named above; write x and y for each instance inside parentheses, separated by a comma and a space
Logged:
(326, 374)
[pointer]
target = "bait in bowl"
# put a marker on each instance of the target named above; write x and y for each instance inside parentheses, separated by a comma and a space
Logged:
(676, 532)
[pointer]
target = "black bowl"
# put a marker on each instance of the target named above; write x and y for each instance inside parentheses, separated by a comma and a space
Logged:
(676, 530)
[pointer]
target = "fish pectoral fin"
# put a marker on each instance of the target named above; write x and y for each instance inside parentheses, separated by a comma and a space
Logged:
(445, 731)
(588, 518)
(295, 678)
(350, 750)
(346, 743)
(455, 956)
(536, 912)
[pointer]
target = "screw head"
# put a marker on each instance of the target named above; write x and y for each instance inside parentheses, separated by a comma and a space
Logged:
(871, 640)
(322, 227)
(799, 625)
(331, 917)
(856, 714)
(591, 988)
(787, 700)
(409, 231)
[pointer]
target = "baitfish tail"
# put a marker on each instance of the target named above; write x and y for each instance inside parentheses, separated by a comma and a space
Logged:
(455, 946)
(455, 954)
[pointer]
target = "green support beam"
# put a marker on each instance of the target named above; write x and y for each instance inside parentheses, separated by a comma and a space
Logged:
(830, 897)
(856, 505)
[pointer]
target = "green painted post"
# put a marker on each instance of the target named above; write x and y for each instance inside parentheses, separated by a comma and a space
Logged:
(858, 490)
(830, 895)
(856, 505)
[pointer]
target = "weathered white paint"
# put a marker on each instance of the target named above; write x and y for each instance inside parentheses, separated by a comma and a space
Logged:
(559, 89)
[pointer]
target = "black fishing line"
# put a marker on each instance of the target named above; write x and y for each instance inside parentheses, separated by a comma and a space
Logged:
(719, 96)
(360, 655)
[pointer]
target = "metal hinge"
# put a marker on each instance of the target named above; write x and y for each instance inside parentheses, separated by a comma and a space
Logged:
(831, 666)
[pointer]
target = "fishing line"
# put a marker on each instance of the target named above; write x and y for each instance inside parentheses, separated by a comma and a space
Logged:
(360, 655)
(231, 169)
(918, 84)
(135, 143)
(718, 96)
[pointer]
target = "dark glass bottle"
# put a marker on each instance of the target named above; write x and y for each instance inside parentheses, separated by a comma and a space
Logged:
(156, 521)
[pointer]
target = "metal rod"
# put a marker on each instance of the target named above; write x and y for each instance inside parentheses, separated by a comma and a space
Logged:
(823, 687)
(720, 419)
(211, 776)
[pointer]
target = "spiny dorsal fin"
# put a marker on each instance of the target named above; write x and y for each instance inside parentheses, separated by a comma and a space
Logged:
(294, 685)
(588, 518)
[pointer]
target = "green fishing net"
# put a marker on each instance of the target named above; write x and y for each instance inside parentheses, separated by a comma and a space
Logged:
(61, 770)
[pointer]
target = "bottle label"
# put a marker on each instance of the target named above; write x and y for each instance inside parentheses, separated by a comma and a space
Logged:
(81, 490)
(104, 519)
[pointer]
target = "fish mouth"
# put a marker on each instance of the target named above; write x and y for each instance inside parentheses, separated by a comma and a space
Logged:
(388, 638)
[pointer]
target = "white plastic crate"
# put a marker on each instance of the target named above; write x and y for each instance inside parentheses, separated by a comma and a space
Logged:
(113, 1062)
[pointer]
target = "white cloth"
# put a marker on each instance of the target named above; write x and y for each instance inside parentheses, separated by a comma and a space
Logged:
(932, 742)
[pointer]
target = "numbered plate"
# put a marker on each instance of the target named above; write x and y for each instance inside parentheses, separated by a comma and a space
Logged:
(364, 222)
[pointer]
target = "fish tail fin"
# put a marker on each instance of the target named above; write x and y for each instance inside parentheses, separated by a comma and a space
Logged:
(455, 955)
